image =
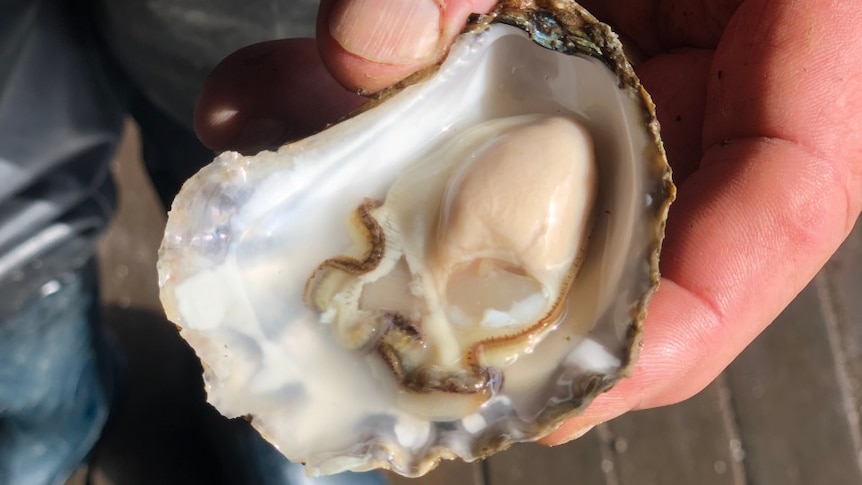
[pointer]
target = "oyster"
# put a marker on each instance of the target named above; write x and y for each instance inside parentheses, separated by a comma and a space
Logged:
(460, 267)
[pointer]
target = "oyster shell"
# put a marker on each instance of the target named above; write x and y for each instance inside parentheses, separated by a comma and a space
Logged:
(458, 268)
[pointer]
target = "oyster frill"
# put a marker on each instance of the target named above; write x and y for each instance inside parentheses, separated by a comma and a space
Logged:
(460, 267)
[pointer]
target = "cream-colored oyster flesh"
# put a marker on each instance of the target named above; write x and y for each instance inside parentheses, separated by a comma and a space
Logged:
(469, 259)
(454, 270)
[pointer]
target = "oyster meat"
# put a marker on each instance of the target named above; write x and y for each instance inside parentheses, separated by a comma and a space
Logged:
(457, 268)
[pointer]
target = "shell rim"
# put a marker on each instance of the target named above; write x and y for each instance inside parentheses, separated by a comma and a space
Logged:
(581, 33)
(577, 32)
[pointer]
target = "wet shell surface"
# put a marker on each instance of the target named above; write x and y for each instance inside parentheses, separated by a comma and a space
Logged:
(460, 267)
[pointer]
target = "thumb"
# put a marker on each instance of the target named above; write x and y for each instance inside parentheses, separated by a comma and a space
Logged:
(370, 44)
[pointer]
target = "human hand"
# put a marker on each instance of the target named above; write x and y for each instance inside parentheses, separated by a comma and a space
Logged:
(760, 110)
(265, 94)
(760, 107)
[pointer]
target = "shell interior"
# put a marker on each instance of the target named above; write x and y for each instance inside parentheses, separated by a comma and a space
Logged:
(240, 265)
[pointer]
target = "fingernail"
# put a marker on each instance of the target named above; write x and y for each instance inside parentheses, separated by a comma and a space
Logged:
(387, 31)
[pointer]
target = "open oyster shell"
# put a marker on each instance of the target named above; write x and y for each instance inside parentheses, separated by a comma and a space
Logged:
(323, 285)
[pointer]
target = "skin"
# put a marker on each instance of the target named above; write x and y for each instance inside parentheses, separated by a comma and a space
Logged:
(760, 105)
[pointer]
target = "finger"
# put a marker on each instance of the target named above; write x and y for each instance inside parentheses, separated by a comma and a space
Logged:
(634, 20)
(693, 23)
(790, 73)
(696, 328)
(791, 128)
(677, 83)
(266, 94)
(658, 25)
(763, 213)
(371, 44)
(663, 367)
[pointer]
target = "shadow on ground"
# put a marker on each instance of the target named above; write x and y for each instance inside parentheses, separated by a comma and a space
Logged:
(161, 429)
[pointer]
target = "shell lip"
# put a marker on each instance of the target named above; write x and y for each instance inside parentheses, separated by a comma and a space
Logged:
(588, 385)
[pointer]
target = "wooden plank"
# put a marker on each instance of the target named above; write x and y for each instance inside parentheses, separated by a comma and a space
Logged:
(691, 442)
(844, 274)
(128, 250)
(839, 286)
(449, 472)
(789, 404)
(579, 461)
(842, 278)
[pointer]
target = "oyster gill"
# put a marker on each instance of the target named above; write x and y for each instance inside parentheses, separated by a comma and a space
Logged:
(469, 260)
(309, 306)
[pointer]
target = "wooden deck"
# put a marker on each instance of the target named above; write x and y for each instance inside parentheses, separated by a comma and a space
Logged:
(785, 412)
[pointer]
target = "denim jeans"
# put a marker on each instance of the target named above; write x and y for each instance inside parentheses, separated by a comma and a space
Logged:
(60, 120)
(55, 380)
(69, 74)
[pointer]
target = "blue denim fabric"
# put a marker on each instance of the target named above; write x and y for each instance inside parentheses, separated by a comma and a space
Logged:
(54, 389)
(60, 120)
